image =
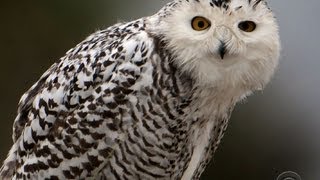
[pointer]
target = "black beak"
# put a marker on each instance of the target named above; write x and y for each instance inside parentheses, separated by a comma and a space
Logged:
(222, 49)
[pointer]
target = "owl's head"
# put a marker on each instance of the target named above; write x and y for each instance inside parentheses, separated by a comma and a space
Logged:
(234, 42)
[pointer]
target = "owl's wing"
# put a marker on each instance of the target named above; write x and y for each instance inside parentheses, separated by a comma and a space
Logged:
(68, 122)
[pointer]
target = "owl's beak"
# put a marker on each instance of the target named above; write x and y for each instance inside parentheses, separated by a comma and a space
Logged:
(222, 49)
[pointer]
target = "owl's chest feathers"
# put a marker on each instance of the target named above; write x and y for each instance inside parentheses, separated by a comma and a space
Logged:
(196, 116)
(211, 109)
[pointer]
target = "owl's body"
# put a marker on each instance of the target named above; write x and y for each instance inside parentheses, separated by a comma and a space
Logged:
(148, 99)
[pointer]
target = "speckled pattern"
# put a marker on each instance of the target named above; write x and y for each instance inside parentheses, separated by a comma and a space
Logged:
(114, 107)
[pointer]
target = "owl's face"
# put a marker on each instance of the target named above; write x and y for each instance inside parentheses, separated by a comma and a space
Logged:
(234, 41)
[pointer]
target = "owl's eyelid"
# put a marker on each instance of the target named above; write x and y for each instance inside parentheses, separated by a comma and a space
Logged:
(199, 16)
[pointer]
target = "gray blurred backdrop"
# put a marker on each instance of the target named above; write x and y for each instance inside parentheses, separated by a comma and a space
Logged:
(275, 131)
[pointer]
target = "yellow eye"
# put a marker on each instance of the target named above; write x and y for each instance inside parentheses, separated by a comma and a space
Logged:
(200, 23)
(247, 26)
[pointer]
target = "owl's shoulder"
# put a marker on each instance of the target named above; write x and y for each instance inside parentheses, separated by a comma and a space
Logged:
(104, 60)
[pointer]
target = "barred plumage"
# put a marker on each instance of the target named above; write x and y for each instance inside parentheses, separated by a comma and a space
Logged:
(148, 99)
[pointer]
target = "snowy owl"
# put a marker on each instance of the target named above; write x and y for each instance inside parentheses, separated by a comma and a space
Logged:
(147, 99)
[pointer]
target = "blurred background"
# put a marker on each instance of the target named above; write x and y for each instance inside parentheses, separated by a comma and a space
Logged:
(275, 131)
